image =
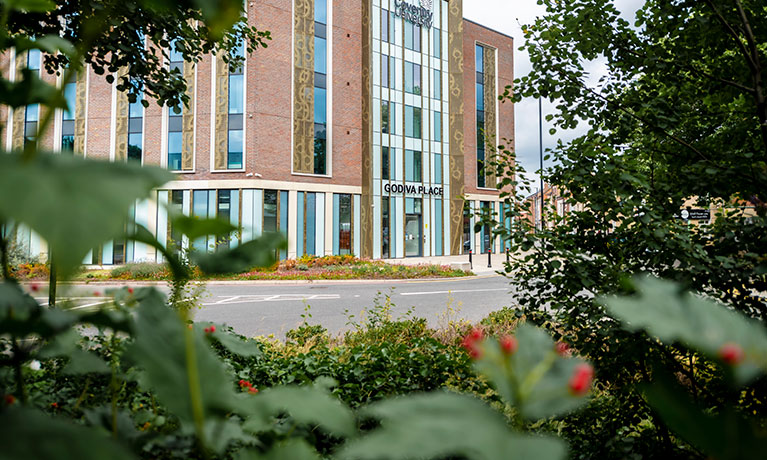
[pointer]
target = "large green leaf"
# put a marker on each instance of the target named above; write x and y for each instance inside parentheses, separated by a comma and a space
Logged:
(160, 351)
(534, 379)
(306, 405)
(195, 227)
(29, 434)
(30, 89)
(665, 312)
(441, 425)
(30, 6)
(724, 436)
(21, 315)
(260, 252)
(75, 204)
(293, 449)
(245, 348)
(66, 345)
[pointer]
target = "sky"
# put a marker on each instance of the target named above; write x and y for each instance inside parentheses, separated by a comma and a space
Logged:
(507, 16)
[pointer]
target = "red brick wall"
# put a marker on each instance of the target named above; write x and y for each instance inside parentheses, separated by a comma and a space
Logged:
(473, 33)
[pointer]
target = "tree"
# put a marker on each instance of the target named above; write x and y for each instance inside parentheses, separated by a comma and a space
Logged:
(680, 115)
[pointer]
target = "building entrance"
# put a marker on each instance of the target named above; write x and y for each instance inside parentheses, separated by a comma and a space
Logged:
(413, 236)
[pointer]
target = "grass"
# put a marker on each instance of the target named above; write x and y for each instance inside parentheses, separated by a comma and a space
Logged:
(304, 268)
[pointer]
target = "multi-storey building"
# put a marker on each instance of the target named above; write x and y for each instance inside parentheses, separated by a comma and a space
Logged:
(362, 129)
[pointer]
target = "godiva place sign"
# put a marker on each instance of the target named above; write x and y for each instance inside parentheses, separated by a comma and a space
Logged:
(412, 189)
(418, 15)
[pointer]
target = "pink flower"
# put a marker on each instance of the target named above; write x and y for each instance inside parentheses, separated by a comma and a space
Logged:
(471, 342)
(580, 382)
(562, 348)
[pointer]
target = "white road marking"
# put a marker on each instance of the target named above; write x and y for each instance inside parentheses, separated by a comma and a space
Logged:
(452, 291)
(231, 300)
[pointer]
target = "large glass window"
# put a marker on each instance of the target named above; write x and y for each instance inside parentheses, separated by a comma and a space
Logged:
(385, 228)
(270, 211)
(174, 150)
(236, 105)
(386, 117)
(320, 86)
(437, 84)
(224, 212)
(412, 78)
(68, 117)
(480, 104)
(437, 44)
(438, 126)
(413, 122)
(200, 210)
(412, 36)
(413, 170)
(386, 163)
(176, 208)
(467, 233)
(32, 112)
(136, 130)
(387, 71)
(344, 224)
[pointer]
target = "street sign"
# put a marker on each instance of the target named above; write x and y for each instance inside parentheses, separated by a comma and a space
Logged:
(695, 214)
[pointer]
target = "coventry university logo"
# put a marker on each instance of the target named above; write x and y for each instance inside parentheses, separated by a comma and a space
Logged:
(426, 4)
(420, 15)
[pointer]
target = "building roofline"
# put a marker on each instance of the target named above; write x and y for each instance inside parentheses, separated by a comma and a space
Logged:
(488, 28)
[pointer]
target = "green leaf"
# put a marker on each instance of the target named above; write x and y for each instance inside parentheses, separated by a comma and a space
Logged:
(159, 350)
(535, 379)
(30, 89)
(65, 345)
(441, 425)
(306, 405)
(293, 449)
(722, 436)
(30, 6)
(51, 44)
(260, 252)
(75, 204)
(30, 434)
(670, 315)
(245, 348)
(194, 227)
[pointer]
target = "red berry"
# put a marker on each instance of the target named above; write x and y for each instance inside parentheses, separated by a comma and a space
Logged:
(252, 390)
(731, 353)
(96, 293)
(34, 287)
(470, 343)
(130, 290)
(212, 328)
(509, 344)
(55, 405)
(9, 399)
(580, 382)
(562, 348)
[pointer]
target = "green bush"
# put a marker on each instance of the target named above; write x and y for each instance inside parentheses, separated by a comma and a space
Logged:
(141, 271)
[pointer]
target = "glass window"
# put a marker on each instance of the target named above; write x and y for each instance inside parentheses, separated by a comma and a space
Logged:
(67, 143)
(480, 94)
(135, 146)
(236, 95)
(437, 44)
(70, 94)
(480, 59)
(174, 150)
(135, 110)
(321, 11)
(224, 204)
(408, 35)
(417, 38)
(33, 59)
(438, 126)
(385, 163)
(384, 71)
(270, 210)
(234, 158)
(320, 55)
(384, 26)
(412, 78)
(320, 149)
(437, 84)
(413, 166)
(320, 107)
(385, 119)
(438, 169)
(412, 122)
(32, 112)
(345, 224)
(385, 227)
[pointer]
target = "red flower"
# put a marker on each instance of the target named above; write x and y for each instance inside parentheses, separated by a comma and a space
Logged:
(562, 348)
(252, 390)
(509, 344)
(731, 353)
(34, 287)
(96, 293)
(580, 382)
(9, 399)
(55, 405)
(470, 343)
(130, 290)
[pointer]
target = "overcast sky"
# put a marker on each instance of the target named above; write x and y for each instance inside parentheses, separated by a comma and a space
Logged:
(507, 16)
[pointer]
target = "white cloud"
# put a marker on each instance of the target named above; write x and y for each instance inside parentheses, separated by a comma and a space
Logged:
(507, 16)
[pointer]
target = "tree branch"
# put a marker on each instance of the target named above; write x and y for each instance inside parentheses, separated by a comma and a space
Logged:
(732, 32)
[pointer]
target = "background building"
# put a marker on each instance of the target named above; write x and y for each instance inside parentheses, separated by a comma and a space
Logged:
(359, 130)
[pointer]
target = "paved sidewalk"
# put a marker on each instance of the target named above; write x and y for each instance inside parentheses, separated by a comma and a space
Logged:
(479, 262)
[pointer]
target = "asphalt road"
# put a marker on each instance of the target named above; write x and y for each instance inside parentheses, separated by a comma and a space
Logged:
(258, 309)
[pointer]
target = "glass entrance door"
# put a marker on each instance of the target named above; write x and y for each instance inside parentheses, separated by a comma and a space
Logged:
(413, 236)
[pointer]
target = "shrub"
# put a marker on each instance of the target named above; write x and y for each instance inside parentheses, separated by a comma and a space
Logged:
(141, 271)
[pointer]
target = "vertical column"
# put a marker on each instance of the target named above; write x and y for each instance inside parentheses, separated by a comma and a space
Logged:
(81, 105)
(187, 149)
(303, 86)
(366, 205)
(17, 136)
(455, 53)
(222, 113)
(121, 123)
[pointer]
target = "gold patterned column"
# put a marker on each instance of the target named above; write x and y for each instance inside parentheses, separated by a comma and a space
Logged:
(455, 64)
(366, 202)
(187, 145)
(81, 99)
(222, 113)
(490, 104)
(303, 86)
(17, 133)
(122, 108)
